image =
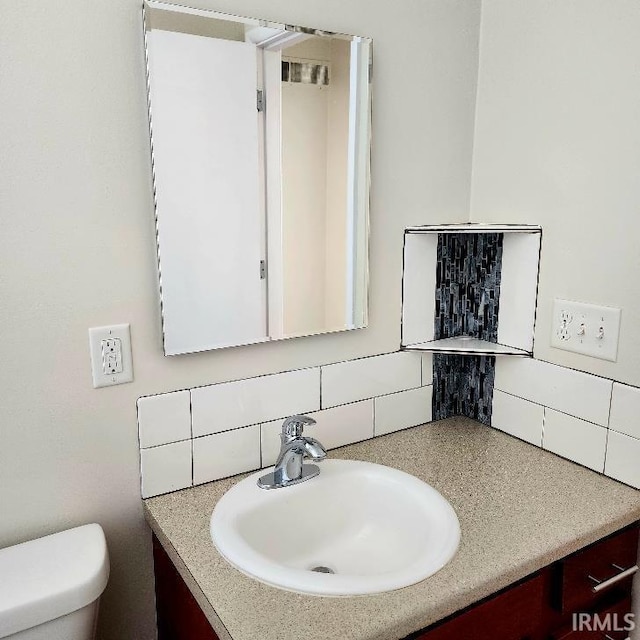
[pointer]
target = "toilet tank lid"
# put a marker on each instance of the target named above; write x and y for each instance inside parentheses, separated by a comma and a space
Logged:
(49, 577)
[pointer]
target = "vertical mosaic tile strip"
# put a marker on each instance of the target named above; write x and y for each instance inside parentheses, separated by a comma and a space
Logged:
(468, 285)
(446, 376)
(467, 298)
(463, 385)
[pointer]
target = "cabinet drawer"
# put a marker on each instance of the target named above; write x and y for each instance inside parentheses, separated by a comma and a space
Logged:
(598, 570)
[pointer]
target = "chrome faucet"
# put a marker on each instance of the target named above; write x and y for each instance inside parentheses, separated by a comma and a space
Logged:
(289, 468)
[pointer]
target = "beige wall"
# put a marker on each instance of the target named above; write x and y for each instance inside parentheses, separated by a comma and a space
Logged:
(77, 245)
(557, 142)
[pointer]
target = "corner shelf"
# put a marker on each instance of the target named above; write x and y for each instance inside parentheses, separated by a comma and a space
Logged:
(518, 287)
(467, 346)
(475, 227)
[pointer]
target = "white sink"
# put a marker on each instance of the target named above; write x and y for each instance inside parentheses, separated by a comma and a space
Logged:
(376, 528)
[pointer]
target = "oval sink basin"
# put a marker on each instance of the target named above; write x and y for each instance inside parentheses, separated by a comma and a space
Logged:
(355, 529)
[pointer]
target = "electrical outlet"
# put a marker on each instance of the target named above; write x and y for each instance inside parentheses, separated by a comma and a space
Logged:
(112, 356)
(110, 349)
(585, 328)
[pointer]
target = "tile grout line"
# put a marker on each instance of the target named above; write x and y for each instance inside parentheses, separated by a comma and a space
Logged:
(539, 404)
(606, 443)
(193, 472)
(265, 375)
(373, 415)
(610, 405)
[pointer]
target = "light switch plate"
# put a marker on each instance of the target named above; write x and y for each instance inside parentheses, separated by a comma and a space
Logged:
(111, 361)
(585, 328)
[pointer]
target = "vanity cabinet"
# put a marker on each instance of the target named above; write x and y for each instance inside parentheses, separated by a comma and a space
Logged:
(587, 576)
(178, 615)
(513, 614)
(594, 580)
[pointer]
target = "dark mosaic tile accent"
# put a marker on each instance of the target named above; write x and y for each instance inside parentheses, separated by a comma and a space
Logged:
(463, 385)
(468, 274)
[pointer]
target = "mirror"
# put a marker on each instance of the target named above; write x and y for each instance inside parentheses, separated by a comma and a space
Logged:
(260, 136)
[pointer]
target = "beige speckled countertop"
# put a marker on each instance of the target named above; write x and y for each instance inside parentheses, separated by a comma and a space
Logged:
(520, 508)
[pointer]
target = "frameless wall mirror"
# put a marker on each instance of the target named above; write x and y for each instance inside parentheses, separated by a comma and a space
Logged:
(260, 138)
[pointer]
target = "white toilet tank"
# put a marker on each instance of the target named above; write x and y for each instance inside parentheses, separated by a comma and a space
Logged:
(50, 587)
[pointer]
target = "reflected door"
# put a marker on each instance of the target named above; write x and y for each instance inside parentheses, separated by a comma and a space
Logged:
(210, 214)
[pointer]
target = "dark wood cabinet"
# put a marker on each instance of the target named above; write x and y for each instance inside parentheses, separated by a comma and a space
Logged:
(178, 615)
(615, 613)
(596, 571)
(512, 614)
(594, 583)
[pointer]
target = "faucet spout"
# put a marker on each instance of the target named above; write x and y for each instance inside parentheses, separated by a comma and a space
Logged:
(314, 450)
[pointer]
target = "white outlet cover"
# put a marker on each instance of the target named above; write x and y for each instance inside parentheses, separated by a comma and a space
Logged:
(96, 336)
(586, 328)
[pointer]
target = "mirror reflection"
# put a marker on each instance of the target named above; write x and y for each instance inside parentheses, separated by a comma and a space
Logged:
(260, 143)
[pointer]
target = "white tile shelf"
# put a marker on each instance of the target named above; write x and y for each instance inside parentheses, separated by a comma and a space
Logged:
(518, 289)
(468, 346)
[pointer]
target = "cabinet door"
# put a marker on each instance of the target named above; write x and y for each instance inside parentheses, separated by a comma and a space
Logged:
(179, 616)
(516, 614)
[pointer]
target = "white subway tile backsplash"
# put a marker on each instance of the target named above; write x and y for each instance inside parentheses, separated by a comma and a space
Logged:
(369, 377)
(623, 459)
(164, 418)
(402, 410)
(225, 454)
(270, 440)
(192, 437)
(334, 427)
(427, 369)
(517, 417)
(343, 425)
(575, 439)
(165, 468)
(625, 410)
(573, 392)
(228, 405)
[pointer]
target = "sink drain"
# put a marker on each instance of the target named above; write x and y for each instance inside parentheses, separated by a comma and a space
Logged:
(321, 569)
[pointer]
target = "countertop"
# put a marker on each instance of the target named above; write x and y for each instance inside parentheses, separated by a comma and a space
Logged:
(520, 508)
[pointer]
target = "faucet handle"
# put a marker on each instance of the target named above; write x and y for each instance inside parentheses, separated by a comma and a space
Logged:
(294, 425)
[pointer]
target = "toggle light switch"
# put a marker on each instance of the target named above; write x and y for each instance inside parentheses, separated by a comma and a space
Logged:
(586, 329)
